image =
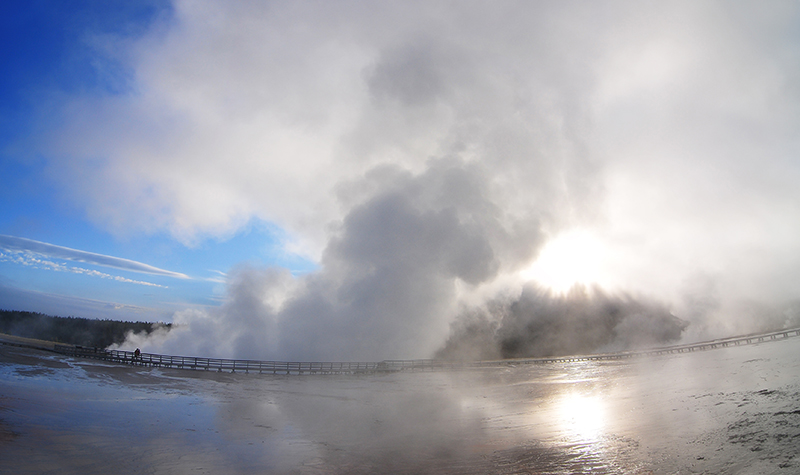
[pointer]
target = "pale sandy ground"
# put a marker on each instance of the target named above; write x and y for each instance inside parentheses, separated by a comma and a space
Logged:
(727, 411)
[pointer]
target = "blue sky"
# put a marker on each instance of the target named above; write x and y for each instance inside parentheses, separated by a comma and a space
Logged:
(297, 170)
(46, 55)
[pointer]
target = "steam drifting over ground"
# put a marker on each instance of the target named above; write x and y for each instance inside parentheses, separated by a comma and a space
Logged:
(426, 153)
(539, 323)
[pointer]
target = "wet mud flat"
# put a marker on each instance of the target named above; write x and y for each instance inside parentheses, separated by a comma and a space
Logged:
(731, 410)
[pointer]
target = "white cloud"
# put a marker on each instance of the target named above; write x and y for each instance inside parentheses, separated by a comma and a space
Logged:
(18, 244)
(31, 260)
(668, 130)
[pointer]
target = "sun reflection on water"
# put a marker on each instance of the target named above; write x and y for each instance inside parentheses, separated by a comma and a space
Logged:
(582, 416)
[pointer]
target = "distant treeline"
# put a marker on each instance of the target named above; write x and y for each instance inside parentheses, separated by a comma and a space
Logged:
(73, 330)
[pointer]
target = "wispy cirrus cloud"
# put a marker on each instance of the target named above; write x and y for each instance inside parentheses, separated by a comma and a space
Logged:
(22, 245)
(30, 260)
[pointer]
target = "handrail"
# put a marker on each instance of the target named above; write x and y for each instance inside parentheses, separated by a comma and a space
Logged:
(331, 367)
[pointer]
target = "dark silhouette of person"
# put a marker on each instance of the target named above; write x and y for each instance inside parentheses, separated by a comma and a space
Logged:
(137, 354)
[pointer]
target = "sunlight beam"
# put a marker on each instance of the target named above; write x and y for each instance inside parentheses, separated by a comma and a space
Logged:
(574, 257)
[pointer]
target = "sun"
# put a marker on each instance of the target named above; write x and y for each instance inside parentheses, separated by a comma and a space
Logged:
(573, 257)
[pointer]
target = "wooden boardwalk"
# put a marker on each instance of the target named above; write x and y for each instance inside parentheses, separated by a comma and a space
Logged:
(286, 367)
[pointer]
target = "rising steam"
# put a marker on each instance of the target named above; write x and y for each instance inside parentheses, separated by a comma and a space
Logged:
(388, 283)
(424, 153)
(539, 324)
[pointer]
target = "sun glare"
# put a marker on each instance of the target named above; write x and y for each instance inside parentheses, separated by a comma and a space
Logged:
(582, 416)
(571, 258)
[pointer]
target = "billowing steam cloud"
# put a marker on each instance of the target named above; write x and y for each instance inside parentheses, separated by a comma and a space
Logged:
(539, 324)
(389, 274)
(425, 152)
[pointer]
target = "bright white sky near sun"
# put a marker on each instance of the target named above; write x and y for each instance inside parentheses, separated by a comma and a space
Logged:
(148, 149)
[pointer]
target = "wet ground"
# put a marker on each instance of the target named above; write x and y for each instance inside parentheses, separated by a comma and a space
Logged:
(726, 411)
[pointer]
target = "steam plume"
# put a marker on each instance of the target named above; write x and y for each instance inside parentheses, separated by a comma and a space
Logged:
(424, 152)
(540, 323)
(389, 275)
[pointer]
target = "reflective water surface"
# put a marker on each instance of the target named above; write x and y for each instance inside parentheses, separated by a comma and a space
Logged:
(732, 410)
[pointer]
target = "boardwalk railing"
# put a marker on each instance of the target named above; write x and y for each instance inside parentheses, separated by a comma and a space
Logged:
(221, 364)
(288, 367)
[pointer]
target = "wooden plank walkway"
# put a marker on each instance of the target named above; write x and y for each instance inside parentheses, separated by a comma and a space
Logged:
(286, 367)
